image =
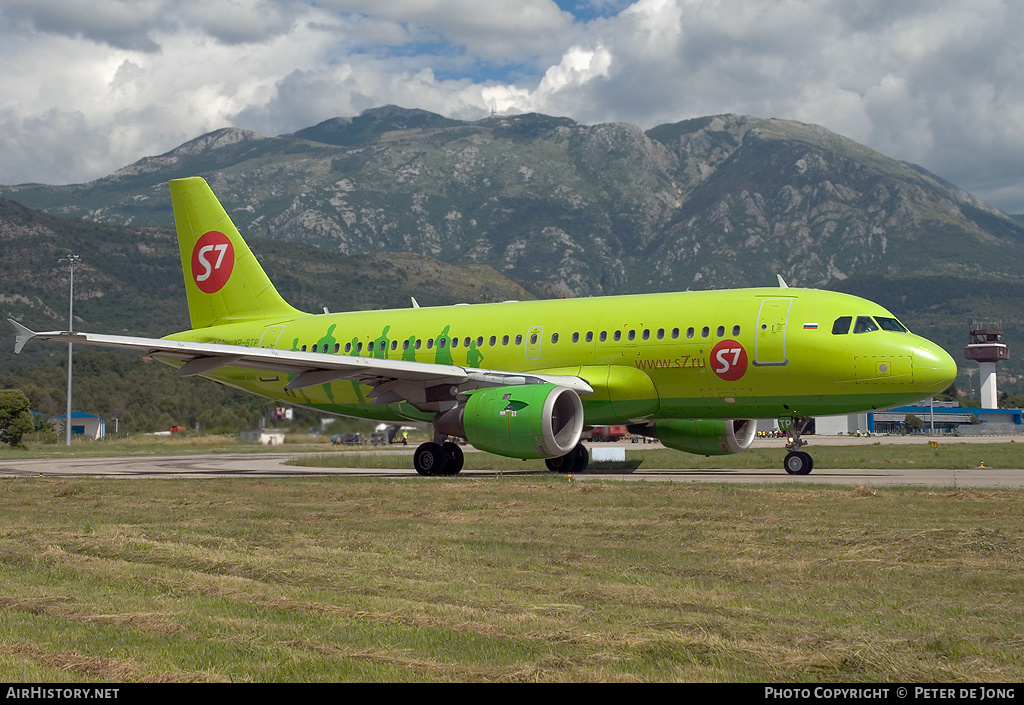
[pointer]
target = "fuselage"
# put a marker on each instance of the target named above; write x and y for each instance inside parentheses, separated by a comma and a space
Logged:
(740, 353)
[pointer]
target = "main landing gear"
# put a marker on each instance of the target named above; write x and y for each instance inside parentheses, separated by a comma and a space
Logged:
(575, 460)
(798, 462)
(434, 458)
(446, 458)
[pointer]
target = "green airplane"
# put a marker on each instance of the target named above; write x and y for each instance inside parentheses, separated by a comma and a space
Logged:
(524, 379)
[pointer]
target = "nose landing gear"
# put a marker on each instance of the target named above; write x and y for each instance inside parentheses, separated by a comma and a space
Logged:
(798, 462)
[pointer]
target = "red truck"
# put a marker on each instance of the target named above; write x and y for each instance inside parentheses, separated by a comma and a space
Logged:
(607, 433)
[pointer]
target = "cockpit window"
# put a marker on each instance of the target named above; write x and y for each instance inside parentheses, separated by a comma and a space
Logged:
(891, 324)
(842, 325)
(864, 324)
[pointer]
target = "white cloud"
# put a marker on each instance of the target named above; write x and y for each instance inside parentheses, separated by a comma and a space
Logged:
(90, 87)
(578, 67)
(493, 30)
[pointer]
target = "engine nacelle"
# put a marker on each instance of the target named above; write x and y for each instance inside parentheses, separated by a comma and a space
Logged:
(707, 436)
(522, 421)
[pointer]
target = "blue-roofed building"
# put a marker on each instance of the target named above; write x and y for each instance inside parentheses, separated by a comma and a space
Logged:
(82, 424)
(948, 417)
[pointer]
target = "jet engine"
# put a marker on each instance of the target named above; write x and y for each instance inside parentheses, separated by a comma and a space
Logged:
(523, 421)
(706, 436)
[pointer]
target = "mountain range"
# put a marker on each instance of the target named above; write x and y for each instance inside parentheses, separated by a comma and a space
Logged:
(561, 209)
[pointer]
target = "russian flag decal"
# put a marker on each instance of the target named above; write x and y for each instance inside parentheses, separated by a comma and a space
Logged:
(810, 326)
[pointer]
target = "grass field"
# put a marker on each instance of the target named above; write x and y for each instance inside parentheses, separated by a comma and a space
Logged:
(506, 579)
(156, 445)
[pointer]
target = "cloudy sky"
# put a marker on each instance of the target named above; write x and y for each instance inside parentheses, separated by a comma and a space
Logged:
(90, 86)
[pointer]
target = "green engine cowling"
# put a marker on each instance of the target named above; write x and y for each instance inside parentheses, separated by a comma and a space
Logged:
(523, 421)
(707, 436)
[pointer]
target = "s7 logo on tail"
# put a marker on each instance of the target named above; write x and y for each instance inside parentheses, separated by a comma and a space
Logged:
(213, 258)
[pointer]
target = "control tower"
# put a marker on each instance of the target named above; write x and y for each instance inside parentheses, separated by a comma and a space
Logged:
(987, 348)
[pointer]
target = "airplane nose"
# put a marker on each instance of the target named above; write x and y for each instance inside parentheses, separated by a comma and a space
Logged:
(934, 369)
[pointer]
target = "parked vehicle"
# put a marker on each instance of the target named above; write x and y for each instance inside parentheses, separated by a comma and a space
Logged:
(607, 434)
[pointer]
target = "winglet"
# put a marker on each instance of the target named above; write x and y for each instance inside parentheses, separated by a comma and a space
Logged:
(415, 303)
(782, 282)
(23, 335)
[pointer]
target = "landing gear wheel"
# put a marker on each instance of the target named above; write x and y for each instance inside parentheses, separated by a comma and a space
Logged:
(582, 457)
(562, 463)
(430, 459)
(798, 463)
(455, 458)
(575, 460)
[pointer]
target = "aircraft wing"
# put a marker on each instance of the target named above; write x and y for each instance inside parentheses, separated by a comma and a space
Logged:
(423, 384)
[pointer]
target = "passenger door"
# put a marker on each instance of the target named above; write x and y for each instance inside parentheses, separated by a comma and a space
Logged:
(770, 339)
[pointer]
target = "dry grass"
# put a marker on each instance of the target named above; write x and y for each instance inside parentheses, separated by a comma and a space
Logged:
(506, 579)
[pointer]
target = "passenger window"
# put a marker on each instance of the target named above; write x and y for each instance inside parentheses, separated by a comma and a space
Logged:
(590, 336)
(618, 335)
(519, 339)
(494, 340)
(689, 332)
(504, 340)
(661, 334)
(735, 331)
(864, 324)
(705, 332)
(533, 339)
(632, 335)
(418, 342)
(842, 325)
(394, 346)
(604, 336)
(646, 334)
(675, 333)
(337, 347)
(575, 337)
(720, 332)
(554, 337)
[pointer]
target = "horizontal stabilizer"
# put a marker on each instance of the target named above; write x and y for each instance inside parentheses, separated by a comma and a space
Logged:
(23, 335)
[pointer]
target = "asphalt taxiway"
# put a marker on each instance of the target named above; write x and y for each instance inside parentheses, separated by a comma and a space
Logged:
(274, 464)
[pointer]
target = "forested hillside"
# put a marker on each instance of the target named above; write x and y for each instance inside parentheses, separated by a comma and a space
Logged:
(366, 211)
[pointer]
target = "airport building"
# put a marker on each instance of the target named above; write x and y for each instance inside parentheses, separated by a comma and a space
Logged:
(940, 417)
(949, 417)
(82, 424)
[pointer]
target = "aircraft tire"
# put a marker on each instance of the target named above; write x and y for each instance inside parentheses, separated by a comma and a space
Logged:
(563, 463)
(575, 460)
(430, 459)
(455, 458)
(798, 463)
(582, 457)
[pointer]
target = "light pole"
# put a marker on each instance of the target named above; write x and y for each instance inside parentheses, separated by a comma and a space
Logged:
(971, 371)
(71, 260)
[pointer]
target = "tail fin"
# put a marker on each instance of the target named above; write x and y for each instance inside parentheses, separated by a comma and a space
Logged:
(223, 280)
